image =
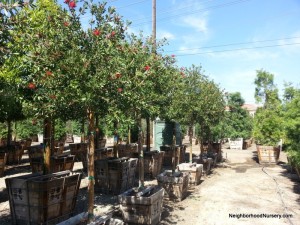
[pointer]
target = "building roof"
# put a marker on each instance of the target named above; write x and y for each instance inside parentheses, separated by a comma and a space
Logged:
(250, 107)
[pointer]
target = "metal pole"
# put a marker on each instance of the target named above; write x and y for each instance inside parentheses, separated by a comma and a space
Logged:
(154, 24)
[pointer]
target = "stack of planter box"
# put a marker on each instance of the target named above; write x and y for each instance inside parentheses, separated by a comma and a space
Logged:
(115, 175)
(42, 199)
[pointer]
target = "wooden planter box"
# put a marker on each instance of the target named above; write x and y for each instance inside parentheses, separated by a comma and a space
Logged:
(3, 158)
(102, 143)
(194, 169)
(236, 143)
(170, 155)
(175, 185)
(247, 144)
(104, 153)
(42, 199)
(58, 163)
(182, 154)
(297, 168)
(115, 175)
(153, 163)
(217, 148)
(80, 152)
(143, 207)
(35, 151)
(127, 150)
(62, 162)
(207, 164)
(267, 154)
(14, 153)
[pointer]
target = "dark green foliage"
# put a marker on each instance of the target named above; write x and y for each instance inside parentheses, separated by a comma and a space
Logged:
(237, 122)
(28, 128)
(268, 122)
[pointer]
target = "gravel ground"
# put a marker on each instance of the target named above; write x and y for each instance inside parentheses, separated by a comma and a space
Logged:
(237, 186)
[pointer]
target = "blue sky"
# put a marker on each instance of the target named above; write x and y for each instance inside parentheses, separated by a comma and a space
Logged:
(194, 28)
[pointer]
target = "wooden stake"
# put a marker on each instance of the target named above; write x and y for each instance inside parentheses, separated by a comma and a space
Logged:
(48, 143)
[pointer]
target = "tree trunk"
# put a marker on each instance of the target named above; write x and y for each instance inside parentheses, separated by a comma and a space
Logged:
(116, 140)
(129, 136)
(9, 131)
(82, 130)
(148, 133)
(191, 142)
(174, 148)
(141, 154)
(48, 143)
(15, 134)
(97, 132)
(91, 151)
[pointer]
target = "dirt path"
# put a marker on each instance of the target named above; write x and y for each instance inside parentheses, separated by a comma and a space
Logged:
(237, 186)
(244, 187)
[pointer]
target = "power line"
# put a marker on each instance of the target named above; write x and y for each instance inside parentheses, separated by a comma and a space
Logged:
(134, 3)
(169, 10)
(196, 11)
(238, 49)
(232, 44)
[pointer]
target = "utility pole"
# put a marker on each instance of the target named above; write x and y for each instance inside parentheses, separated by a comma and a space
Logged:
(154, 24)
(154, 51)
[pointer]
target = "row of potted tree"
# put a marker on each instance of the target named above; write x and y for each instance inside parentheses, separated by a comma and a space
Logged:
(59, 69)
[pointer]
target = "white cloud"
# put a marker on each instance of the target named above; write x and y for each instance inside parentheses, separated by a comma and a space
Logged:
(165, 34)
(199, 24)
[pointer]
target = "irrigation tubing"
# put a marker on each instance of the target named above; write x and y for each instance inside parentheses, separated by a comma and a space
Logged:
(279, 191)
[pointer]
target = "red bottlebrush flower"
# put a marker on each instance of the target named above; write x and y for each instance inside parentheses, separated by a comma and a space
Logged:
(31, 86)
(96, 32)
(120, 90)
(67, 1)
(173, 56)
(118, 75)
(72, 4)
(147, 68)
(113, 34)
(48, 73)
(66, 24)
